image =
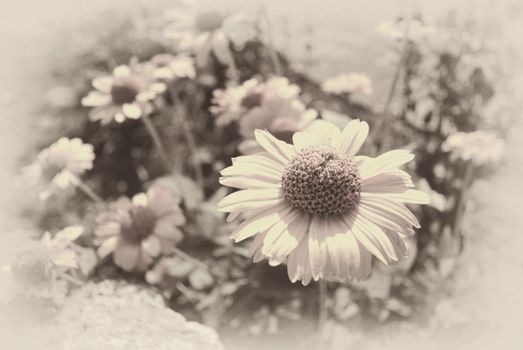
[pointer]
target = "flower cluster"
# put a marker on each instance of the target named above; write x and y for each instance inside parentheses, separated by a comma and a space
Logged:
(352, 83)
(271, 105)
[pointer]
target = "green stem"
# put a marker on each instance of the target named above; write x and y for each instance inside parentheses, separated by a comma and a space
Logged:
(157, 142)
(88, 191)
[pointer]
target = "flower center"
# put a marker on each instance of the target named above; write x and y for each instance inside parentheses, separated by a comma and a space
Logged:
(125, 91)
(209, 21)
(142, 225)
(321, 181)
(252, 100)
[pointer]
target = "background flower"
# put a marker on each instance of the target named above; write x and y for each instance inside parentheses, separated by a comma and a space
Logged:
(480, 147)
(137, 231)
(318, 206)
(396, 30)
(61, 246)
(348, 83)
(126, 93)
(168, 67)
(59, 165)
(202, 31)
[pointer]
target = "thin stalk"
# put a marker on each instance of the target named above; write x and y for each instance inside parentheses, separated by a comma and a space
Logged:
(322, 306)
(88, 191)
(386, 114)
(233, 69)
(190, 259)
(157, 142)
(462, 200)
(189, 138)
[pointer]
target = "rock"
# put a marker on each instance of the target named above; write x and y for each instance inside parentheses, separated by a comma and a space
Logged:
(114, 315)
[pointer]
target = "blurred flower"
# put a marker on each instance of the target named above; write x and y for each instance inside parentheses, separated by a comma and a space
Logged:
(348, 84)
(61, 247)
(396, 30)
(127, 93)
(60, 164)
(271, 105)
(318, 206)
(168, 67)
(138, 230)
(202, 31)
(479, 147)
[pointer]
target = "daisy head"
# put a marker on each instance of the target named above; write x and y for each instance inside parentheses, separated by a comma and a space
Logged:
(167, 67)
(318, 206)
(127, 93)
(416, 30)
(352, 83)
(140, 229)
(59, 165)
(60, 247)
(205, 31)
(271, 105)
(480, 147)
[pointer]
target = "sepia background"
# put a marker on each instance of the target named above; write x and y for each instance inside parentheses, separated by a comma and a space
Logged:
(480, 304)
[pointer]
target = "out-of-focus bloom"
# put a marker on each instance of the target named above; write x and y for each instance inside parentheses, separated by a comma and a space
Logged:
(138, 230)
(168, 67)
(479, 147)
(271, 105)
(318, 206)
(127, 93)
(60, 164)
(352, 83)
(396, 30)
(61, 246)
(202, 31)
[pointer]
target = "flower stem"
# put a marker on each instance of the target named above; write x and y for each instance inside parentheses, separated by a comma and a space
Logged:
(189, 138)
(157, 142)
(233, 69)
(190, 259)
(380, 128)
(462, 200)
(88, 191)
(322, 305)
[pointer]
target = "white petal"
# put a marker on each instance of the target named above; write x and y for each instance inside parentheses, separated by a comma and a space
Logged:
(96, 99)
(298, 264)
(391, 181)
(408, 196)
(282, 151)
(317, 247)
(244, 182)
(342, 248)
(274, 233)
(372, 238)
(250, 199)
(289, 239)
(132, 110)
(107, 246)
(121, 71)
(103, 84)
(319, 133)
(152, 245)
(126, 255)
(352, 137)
(260, 222)
(381, 204)
(385, 162)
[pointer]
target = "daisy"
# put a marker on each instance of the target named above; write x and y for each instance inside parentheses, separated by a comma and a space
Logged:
(271, 105)
(60, 165)
(396, 30)
(204, 31)
(137, 231)
(318, 206)
(61, 247)
(127, 93)
(348, 84)
(479, 147)
(168, 67)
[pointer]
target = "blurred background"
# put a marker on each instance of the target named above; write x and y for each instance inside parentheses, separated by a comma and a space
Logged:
(473, 302)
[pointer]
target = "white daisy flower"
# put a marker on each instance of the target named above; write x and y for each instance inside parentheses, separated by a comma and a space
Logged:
(60, 165)
(168, 67)
(479, 147)
(61, 247)
(202, 31)
(318, 206)
(352, 83)
(127, 93)
(417, 31)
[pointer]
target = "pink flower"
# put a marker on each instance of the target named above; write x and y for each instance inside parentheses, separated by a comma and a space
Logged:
(137, 231)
